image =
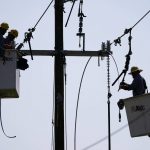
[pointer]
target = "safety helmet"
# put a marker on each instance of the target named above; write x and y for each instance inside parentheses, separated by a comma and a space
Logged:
(135, 69)
(4, 25)
(14, 32)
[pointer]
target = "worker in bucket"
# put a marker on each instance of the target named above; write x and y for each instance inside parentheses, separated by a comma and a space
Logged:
(9, 42)
(138, 85)
(3, 29)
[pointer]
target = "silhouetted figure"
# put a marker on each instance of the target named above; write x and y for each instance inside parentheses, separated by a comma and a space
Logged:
(138, 85)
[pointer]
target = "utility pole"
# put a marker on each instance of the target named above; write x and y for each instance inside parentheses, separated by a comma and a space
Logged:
(59, 77)
(60, 54)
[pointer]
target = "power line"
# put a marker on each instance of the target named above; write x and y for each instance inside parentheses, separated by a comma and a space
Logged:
(43, 14)
(105, 138)
(70, 13)
(118, 40)
(117, 131)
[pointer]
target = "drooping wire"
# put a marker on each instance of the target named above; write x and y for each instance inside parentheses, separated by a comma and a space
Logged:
(76, 116)
(2, 122)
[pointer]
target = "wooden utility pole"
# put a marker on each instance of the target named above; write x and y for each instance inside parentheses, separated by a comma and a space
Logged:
(59, 77)
(60, 54)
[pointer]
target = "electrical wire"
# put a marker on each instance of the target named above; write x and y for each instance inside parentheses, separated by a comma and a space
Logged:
(75, 129)
(28, 35)
(105, 138)
(66, 137)
(43, 14)
(53, 116)
(117, 131)
(115, 63)
(70, 13)
(118, 40)
(2, 122)
(65, 107)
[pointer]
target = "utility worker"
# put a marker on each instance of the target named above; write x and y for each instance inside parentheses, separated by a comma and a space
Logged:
(9, 42)
(138, 85)
(3, 29)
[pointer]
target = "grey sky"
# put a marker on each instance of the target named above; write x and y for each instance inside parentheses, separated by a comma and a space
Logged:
(30, 116)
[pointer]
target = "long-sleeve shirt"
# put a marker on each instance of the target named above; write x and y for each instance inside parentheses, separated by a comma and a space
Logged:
(138, 85)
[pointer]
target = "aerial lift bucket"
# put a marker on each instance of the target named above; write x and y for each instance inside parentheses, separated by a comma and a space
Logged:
(9, 75)
(138, 114)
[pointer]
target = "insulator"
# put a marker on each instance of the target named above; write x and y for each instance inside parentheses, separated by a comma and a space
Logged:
(108, 45)
(80, 24)
(81, 19)
(103, 46)
(80, 30)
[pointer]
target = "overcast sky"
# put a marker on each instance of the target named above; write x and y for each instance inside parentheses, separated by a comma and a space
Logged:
(29, 117)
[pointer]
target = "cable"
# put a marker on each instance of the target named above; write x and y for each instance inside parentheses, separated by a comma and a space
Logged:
(75, 129)
(115, 63)
(70, 13)
(118, 40)
(116, 131)
(43, 13)
(28, 35)
(53, 116)
(141, 19)
(65, 104)
(2, 122)
(105, 138)
(126, 67)
(79, 96)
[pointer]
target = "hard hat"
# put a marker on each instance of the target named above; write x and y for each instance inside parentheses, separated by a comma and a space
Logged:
(14, 33)
(135, 69)
(4, 25)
